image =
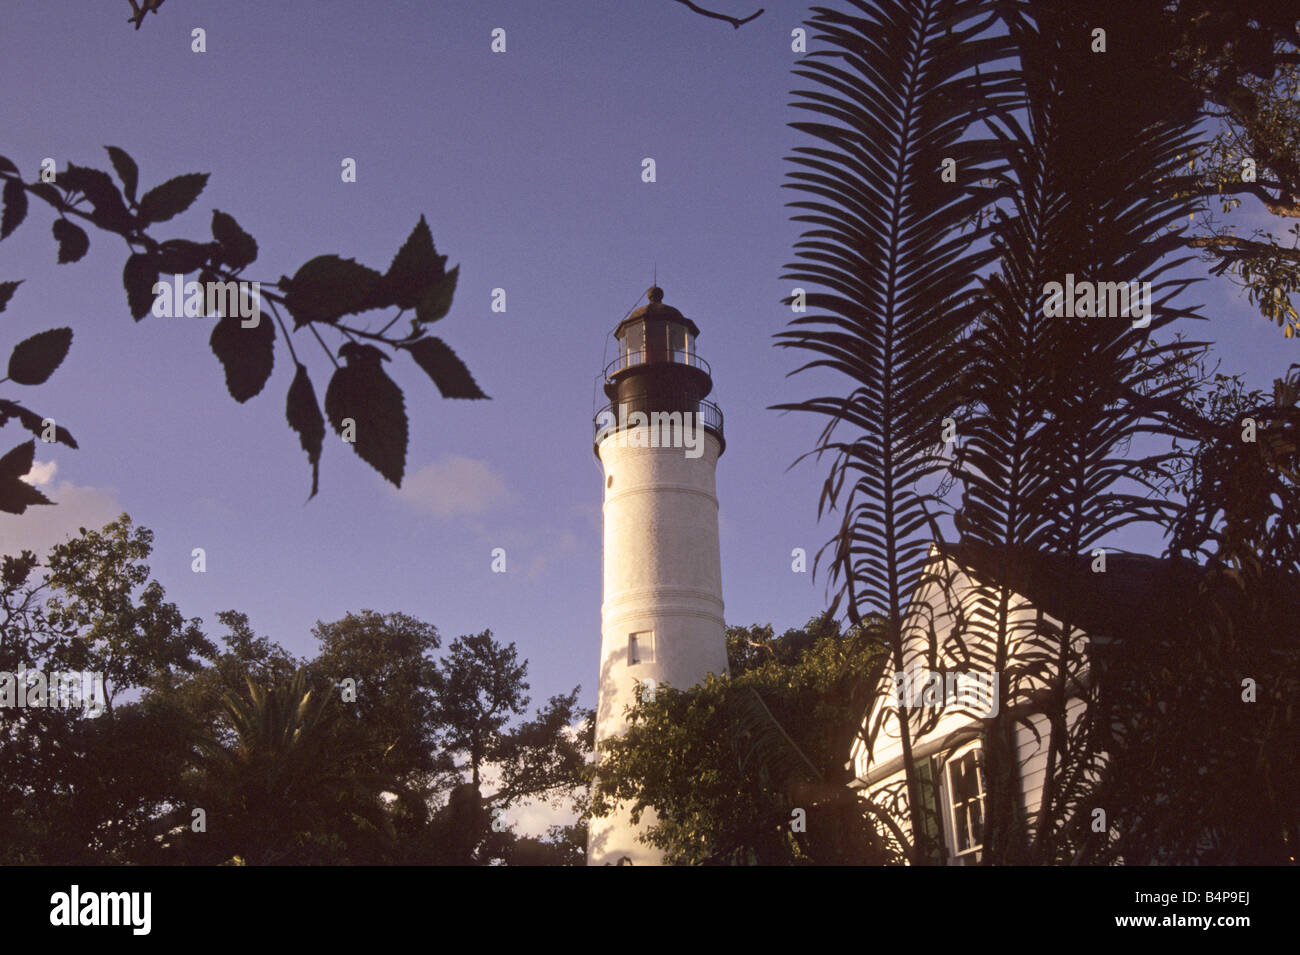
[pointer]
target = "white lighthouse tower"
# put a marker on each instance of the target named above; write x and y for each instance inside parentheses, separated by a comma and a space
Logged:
(658, 442)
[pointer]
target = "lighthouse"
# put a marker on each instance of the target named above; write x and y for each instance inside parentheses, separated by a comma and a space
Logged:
(657, 442)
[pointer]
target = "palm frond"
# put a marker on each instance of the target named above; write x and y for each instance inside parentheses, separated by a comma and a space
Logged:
(1042, 460)
(901, 88)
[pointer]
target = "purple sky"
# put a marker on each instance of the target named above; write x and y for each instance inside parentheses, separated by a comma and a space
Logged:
(527, 166)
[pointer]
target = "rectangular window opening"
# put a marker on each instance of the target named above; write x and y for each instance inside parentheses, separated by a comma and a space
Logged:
(965, 798)
(641, 647)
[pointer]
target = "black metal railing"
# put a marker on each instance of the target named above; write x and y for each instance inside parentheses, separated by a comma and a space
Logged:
(615, 414)
(647, 356)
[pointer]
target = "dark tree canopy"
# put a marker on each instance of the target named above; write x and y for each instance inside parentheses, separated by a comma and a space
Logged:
(376, 750)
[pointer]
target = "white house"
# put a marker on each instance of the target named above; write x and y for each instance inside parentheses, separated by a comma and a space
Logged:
(953, 678)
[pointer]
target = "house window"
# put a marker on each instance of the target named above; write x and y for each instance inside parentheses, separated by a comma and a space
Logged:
(641, 647)
(928, 789)
(964, 778)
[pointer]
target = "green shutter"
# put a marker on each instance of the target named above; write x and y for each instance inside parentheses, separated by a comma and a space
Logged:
(929, 790)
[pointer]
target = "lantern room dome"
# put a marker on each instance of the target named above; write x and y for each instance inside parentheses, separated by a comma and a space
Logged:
(657, 343)
(656, 311)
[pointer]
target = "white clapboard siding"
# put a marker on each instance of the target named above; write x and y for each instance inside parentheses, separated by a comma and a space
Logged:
(953, 607)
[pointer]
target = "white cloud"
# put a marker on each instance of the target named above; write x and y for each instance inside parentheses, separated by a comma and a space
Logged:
(454, 486)
(42, 472)
(42, 526)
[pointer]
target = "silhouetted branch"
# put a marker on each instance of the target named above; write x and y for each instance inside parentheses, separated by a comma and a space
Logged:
(1233, 243)
(720, 16)
(1279, 205)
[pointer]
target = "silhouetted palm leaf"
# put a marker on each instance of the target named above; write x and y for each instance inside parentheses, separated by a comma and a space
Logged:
(1043, 456)
(902, 83)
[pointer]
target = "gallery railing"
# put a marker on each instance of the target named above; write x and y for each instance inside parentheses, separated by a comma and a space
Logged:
(646, 356)
(615, 414)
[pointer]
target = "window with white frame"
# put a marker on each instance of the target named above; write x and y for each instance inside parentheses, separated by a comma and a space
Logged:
(964, 796)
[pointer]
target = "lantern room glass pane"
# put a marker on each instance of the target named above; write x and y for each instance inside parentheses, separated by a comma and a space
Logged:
(632, 349)
(677, 343)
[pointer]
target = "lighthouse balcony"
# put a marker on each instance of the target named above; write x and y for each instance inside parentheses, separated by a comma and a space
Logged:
(651, 356)
(618, 414)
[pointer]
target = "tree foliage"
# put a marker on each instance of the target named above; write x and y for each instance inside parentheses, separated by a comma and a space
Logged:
(727, 763)
(374, 751)
(1043, 412)
(77, 788)
(1244, 59)
(902, 84)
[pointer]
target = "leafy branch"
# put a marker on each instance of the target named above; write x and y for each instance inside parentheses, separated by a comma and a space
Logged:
(31, 362)
(363, 404)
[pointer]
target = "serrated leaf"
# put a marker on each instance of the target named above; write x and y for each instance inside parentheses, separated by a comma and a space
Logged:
(15, 207)
(328, 287)
(110, 210)
(126, 170)
(72, 239)
(33, 360)
(7, 290)
(46, 191)
(356, 351)
(303, 412)
(361, 391)
(247, 354)
(172, 198)
(17, 495)
(238, 248)
(33, 422)
(19, 460)
(94, 184)
(416, 268)
(181, 256)
(447, 371)
(9, 409)
(436, 301)
(139, 276)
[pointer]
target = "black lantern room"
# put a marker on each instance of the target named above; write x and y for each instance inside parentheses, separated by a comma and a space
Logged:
(658, 367)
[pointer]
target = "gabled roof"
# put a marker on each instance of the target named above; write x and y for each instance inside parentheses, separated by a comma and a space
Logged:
(1134, 597)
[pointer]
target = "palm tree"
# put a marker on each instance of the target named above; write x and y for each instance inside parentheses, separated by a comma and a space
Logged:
(286, 791)
(1043, 460)
(904, 84)
(1045, 409)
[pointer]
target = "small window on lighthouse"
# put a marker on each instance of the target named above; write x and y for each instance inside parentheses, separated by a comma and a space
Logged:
(641, 648)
